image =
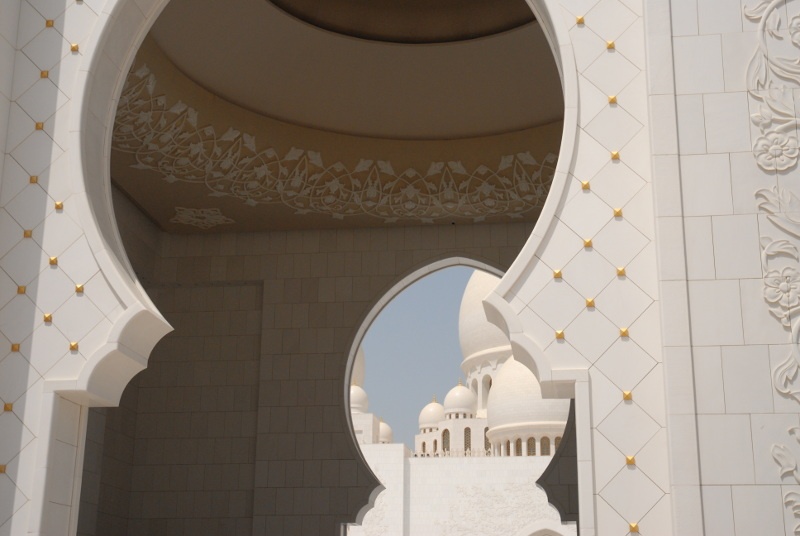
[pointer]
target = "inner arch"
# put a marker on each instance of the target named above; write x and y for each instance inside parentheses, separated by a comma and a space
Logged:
(413, 243)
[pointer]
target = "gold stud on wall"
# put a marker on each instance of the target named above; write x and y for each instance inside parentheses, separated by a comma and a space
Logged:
(59, 205)
(610, 45)
(587, 242)
(614, 155)
(630, 460)
(634, 528)
(15, 347)
(74, 47)
(556, 274)
(627, 395)
(48, 317)
(585, 185)
(560, 334)
(617, 212)
(39, 125)
(612, 99)
(8, 406)
(49, 23)
(589, 302)
(623, 332)
(2, 469)
(73, 346)
(79, 289)
(33, 179)
(21, 289)
(27, 233)
(579, 20)
(53, 261)
(620, 271)
(44, 74)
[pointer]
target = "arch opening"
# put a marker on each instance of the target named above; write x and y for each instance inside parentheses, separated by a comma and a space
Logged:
(407, 469)
(108, 237)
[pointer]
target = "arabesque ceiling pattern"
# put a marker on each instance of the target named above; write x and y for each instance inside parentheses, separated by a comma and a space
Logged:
(180, 150)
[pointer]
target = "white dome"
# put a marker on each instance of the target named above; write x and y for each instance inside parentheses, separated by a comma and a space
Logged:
(516, 400)
(481, 341)
(359, 401)
(385, 435)
(460, 399)
(431, 415)
(358, 368)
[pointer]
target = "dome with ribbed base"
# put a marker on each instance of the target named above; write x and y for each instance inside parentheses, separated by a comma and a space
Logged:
(460, 399)
(431, 415)
(359, 401)
(516, 400)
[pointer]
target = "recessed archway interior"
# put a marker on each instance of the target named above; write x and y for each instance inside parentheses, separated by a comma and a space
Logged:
(444, 460)
(275, 174)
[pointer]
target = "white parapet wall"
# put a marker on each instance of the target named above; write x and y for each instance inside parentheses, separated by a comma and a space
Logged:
(457, 496)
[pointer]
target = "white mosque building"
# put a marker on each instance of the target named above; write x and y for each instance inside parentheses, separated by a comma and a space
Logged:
(202, 203)
(491, 438)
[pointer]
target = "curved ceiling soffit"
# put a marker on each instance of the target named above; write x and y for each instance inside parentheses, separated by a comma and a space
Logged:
(307, 76)
(412, 277)
(411, 21)
(170, 139)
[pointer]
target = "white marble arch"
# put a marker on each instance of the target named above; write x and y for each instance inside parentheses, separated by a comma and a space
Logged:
(406, 281)
(107, 56)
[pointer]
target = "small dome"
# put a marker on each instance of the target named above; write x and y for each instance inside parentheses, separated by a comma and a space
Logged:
(358, 368)
(481, 341)
(516, 400)
(385, 435)
(431, 415)
(460, 399)
(359, 401)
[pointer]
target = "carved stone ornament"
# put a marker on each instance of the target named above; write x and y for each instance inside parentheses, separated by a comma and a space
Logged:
(169, 140)
(204, 218)
(487, 509)
(375, 520)
(771, 77)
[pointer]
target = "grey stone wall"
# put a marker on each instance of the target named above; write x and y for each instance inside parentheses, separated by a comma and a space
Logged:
(240, 425)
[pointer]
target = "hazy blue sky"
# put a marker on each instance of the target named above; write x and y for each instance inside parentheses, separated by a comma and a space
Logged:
(412, 350)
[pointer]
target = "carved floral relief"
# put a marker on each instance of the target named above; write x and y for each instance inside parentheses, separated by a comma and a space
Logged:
(771, 78)
(204, 218)
(170, 140)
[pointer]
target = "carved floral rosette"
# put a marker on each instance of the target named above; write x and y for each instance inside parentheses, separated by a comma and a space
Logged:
(168, 139)
(773, 73)
(781, 291)
(770, 79)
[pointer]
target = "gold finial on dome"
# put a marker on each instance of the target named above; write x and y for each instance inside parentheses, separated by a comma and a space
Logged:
(460, 383)
(434, 398)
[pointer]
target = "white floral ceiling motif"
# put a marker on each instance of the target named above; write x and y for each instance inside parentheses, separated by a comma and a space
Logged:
(204, 218)
(167, 140)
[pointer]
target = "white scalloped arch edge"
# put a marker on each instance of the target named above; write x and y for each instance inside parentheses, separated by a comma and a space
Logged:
(110, 51)
(497, 306)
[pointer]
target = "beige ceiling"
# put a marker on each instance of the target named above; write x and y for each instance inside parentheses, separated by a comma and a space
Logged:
(254, 54)
(411, 21)
(239, 117)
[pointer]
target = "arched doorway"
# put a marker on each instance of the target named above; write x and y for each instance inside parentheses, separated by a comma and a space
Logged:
(397, 366)
(107, 238)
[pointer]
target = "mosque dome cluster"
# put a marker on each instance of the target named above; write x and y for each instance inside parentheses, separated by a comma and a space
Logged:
(499, 412)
